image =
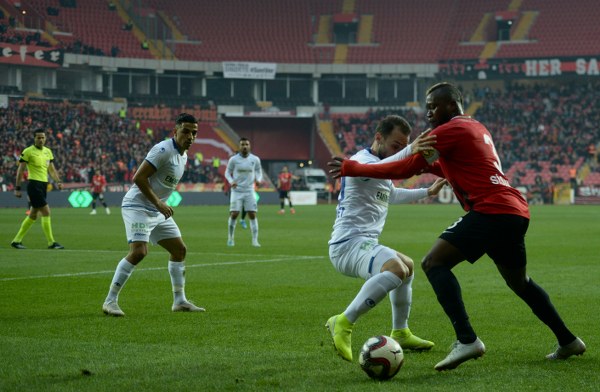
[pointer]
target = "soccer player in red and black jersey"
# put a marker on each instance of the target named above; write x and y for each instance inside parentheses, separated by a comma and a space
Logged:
(284, 186)
(495, 224)
(97, 187)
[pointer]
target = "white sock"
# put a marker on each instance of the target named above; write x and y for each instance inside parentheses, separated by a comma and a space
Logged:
(372, 292)
(231, 225)
(177, 272)
(401, 299)
(122, 273)
(254, 229)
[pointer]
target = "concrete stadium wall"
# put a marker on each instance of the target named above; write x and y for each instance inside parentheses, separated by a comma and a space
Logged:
(113, 199)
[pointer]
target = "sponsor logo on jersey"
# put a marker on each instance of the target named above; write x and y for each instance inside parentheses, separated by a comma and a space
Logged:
(368, 245)
(497, 180)
(383, 196)
(171, 180)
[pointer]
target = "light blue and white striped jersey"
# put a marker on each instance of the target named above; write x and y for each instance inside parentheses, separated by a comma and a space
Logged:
(363, 202)
(244, 171)
(169, 165)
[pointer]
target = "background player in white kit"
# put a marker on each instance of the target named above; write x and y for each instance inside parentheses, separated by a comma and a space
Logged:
(147, 216)
(243, 172)
(354, 249)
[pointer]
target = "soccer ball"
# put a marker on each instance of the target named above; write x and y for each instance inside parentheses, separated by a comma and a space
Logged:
(381, 357)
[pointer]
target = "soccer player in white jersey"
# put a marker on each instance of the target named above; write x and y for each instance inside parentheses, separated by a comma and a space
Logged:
(243, 172)
(354, 249)
(147, 216)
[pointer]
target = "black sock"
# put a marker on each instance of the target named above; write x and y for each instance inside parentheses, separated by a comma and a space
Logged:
(282, 205)
(539, 302)
(448, 293)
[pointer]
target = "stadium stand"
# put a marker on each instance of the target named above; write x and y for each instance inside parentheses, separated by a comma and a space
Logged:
(290, 31)
(71, 27)
(460, 38)
(543, 132)
(555, 31)
(272, 29)
(401, 33)
(539, 130)
(83, 139)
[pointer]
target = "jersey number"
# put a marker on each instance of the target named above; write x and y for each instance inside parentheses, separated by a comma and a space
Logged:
(488, 141)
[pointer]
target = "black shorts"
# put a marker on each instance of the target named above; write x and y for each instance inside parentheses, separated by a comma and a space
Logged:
(501, 237)
(36, 190)
(97, 195)
(283, 194)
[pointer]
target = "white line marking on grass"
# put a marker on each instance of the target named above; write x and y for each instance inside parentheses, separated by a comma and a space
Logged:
(124, 252)
(224, 263)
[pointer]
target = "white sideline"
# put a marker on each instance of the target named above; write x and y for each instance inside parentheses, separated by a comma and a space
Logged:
(187, 265)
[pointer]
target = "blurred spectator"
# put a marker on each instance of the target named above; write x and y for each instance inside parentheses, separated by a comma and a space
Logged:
(216, 164)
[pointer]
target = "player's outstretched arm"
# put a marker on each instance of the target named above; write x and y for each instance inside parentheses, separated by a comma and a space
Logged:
(405, 168)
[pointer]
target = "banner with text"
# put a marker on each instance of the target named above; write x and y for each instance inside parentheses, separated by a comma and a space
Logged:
(36, 56)
(247, 70)
(520, 68)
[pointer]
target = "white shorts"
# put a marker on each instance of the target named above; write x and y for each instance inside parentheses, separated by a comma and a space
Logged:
(239, 200)
(360, 257)
(146, 226)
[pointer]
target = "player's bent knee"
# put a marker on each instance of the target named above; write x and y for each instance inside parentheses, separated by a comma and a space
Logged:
(406, 264)
(398, 268)
(518, 285)
(136, 256)
(426, 263)
(179, 253)
(409, 263)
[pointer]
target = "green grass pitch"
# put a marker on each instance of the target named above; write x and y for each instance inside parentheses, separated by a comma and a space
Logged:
(266, 307)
